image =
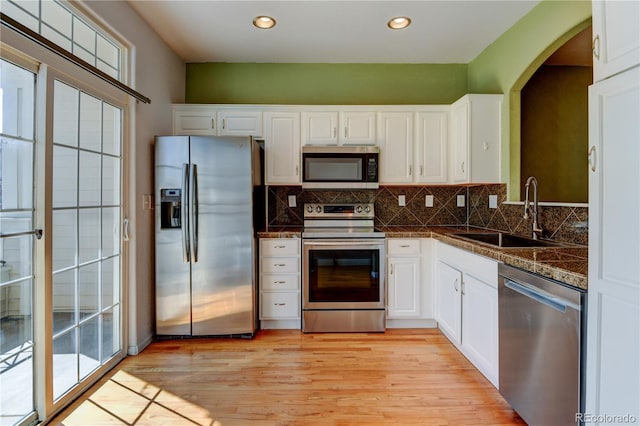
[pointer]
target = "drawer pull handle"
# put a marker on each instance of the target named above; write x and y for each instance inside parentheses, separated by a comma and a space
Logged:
(279, 264)
(279, 304)
(279, 282)
(405, 246)
(279, 247)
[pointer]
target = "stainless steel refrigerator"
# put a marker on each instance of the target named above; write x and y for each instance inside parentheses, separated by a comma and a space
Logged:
(208, 193)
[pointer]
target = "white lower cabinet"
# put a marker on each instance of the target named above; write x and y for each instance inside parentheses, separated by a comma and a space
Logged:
(409, 283)
(466, 287)
(280, 283)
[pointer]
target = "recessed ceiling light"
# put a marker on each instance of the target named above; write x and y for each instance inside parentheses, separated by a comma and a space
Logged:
(264, 22)
(399, 22)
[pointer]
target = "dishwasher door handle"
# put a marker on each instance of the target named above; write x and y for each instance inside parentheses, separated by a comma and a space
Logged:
(543, 297)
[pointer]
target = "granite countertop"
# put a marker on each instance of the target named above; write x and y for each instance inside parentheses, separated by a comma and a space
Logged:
(567, 263)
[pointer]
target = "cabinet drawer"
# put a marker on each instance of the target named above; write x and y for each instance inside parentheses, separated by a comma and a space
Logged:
(280, 282)
(400, 247)
(280, 305)
(288, 265)
(280, 247)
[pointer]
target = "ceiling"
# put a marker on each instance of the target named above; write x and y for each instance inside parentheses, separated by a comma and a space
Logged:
(326, 31)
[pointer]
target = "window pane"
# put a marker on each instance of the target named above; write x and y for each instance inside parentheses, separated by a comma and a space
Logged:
(65, 114)
(55, 37)
(88, 235)
(26, 12)
(57, 17)
(84, 36)
(88, 290)
(18, 99)
(107, 52)
(65, 177)
(11, 222)
(16, 176)
(15, 313)
(110, 231)
(65, 363)
(110, 333)
(83, 54)
(64, 300)
(15, 256)
(110, 282)
(17, 378)
(90, 122)
(110, 129)
(64, 238)
(110, 181)
(89, 180)
(89, 347)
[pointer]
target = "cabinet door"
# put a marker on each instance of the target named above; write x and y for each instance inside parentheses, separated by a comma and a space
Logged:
(480, 326)
(613, 324)
(319, 128)
(431, 147)
(404, 287)
(448, 284)
(460, 141)
(616, 33)
(239, 123)
(282, 148)
(196, 121)
(396, 147)
(357, 128)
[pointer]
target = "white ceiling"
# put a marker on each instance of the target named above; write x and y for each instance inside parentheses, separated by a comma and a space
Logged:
(329, 31)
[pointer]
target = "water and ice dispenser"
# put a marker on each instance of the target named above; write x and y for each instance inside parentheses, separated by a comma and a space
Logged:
(170, 208)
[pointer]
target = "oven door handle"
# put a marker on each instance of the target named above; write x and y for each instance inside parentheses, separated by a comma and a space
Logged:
(343, 243)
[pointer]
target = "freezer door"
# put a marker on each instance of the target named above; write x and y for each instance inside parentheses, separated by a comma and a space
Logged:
(173, 292)
(223, 270)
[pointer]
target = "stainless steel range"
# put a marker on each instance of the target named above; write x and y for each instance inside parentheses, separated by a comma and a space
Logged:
(343, 269)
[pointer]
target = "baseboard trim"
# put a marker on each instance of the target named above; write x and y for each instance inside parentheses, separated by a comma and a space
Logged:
(136, 349)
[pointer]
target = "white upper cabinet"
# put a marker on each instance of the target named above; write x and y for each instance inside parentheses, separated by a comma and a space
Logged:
(191, 119)
(395, 130)
(282, 147)
(338, 127)
(319, 127)
(430, 165)
(476, 139)
(239, 123)
(194, 120)
(616, 37)
(357, 128)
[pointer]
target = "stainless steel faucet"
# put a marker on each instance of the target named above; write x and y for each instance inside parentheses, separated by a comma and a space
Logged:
(527, 205)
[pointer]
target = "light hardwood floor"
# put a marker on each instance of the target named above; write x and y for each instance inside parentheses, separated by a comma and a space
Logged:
(401, 377)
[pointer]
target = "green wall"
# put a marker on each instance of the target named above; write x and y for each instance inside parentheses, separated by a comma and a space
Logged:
(325, 84)
(504, 67)
(507, 64)
(555, 136)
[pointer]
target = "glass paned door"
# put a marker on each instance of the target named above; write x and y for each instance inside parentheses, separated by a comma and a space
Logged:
(17, 112)
(86, 217)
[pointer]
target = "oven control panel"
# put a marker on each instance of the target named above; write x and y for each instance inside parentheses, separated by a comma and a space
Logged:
(343, 211)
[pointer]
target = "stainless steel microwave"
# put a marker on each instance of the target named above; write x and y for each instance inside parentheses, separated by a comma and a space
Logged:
(340, 167)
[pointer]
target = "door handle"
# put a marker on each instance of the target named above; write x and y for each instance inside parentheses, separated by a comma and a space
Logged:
(186, 247)
(595, 47)
(194, 210)
(592, 158)
(125, 229)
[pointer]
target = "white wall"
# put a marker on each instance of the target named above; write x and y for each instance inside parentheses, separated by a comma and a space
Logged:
(159, 75)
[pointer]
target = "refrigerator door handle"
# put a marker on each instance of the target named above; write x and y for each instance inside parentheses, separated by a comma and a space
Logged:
(194, 211)
(186, 252)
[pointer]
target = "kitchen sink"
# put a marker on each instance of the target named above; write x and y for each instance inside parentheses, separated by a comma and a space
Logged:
(500, 239)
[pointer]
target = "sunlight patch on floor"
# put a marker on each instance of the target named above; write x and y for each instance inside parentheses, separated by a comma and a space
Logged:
(127, 400)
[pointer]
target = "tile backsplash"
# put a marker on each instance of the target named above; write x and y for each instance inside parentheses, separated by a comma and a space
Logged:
(569, 224)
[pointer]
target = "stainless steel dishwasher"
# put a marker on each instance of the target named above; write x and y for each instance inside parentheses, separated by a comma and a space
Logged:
(541, 355)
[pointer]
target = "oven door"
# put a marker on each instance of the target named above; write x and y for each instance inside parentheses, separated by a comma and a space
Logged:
(343, 274)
